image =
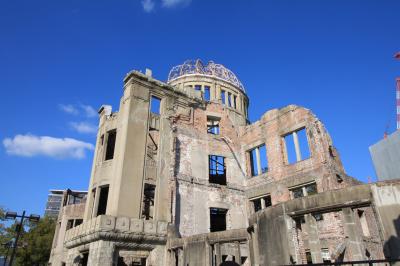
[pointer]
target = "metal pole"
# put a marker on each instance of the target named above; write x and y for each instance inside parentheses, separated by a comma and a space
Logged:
(8, 250)
(16, 239)
(5, 259)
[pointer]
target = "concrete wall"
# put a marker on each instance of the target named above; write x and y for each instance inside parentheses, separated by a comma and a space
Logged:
(387, 202)
(280, 236)
(58, 251)
(386, 157)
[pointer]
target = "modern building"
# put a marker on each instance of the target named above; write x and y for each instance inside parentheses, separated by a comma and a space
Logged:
(181, 177)
(70, 215)
(386, 157)
(59, 198)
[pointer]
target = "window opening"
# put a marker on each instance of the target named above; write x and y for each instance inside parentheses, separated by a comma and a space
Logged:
(85, 258)
(212, 125)
(308, 257)
(217, 169)
(70, 224)
(234, 101)
(326, 257)
(318, 216)
(304, 190)
(290, 149)
(148, 201)
(253, 162)
(217, 219)
(299, 220)
(339, 179)
(197, 87)
(261, 203)
(223, 99)
(257, 205)
(297, 148)
(303, 142)
(93, 201)
(155, 105)
(229, 99)
(367, 254)
(103, 198)
(207, 93)
(112, 135)
(78, 222)
(267, 201)
(311, 189)
(263, 158)
(297, 192)
(258, 160)
(102, 140)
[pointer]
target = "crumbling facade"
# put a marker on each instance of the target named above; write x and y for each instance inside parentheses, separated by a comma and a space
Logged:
(180, 177)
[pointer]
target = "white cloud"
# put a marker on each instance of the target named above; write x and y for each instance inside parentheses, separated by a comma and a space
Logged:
(174, 3)
(69, 109)
(83, 127)
(30, 145)
(148, 5)
(83, 109)
(89, 110)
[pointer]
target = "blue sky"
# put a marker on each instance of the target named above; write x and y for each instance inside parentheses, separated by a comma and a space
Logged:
(60, 60)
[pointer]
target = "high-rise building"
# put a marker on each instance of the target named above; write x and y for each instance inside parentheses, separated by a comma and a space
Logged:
(59, 198)
(386, 157)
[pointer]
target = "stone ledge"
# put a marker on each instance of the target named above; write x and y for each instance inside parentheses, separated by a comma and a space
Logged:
(228, 236)
(117, 229)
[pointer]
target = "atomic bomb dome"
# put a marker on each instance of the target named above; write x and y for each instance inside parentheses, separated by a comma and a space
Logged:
(181, 177)
(196, 67)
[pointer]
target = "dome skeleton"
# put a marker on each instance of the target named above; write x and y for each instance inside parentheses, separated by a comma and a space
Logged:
(211, 69)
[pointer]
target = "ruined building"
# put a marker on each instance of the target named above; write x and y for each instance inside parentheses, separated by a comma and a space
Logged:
(181, 177)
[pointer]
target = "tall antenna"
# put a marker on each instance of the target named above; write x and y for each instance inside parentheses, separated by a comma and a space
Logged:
(398, 103)
(397, 56)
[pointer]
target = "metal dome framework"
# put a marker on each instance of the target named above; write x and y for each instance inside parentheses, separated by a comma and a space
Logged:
(211, 69)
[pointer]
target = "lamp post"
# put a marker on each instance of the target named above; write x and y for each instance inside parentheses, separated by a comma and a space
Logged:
(14, 215)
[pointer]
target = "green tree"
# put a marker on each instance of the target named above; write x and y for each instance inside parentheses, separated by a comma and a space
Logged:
(5, 235)
(35, 245)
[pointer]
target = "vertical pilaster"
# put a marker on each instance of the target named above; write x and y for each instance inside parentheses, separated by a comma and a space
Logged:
(297, 146)
(125, 195)
(258, 161)
(237, 253)
(213, 95)
(256, 260)
(95, 202)
(355, 245)
(181, 257)
(218, 255)
(239, 103)
(218, 93)
(171, 257)
(163, 195)
(262, 203)
(208, 253)
(313, 238)
(250, 246)
(101, 253)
